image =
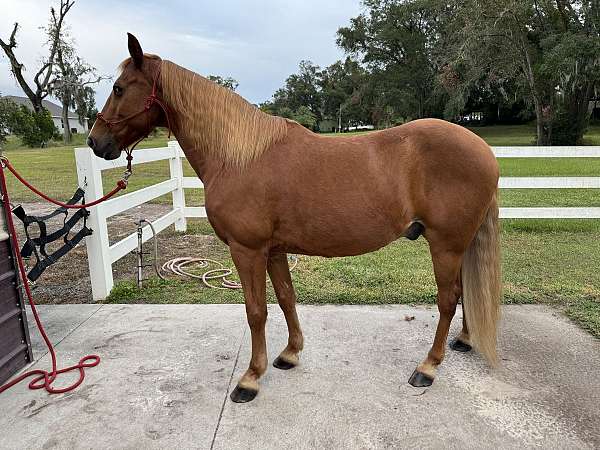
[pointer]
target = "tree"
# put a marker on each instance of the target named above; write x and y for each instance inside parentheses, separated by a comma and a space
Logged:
(338, 93)
(72, 84)
(549, 47)
(42, 80)
(344, 93)
(395, 40)
(301, 89)
(92, 115)
(229, 83)
(304, 116)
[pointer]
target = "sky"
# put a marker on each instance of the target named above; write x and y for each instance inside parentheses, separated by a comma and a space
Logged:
(259, 43)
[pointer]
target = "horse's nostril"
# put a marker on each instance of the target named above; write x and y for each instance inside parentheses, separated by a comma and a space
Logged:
(91, 143)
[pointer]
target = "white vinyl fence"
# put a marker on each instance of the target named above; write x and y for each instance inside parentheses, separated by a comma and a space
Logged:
(101, 255)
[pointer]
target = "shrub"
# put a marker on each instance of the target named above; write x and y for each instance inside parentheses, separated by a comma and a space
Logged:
(568, 128)
(34, 129)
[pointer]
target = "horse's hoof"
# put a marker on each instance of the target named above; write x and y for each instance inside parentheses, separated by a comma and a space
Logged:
(282, 364)
(242, 395)
(460, 346)
(418, 379)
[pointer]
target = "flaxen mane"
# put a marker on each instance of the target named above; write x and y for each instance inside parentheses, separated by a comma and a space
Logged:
(222, 121)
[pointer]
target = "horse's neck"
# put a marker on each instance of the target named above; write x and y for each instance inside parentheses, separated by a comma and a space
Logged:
(203, 162)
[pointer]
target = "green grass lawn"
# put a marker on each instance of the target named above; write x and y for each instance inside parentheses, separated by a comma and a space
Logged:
(519, 135)
(553, 262)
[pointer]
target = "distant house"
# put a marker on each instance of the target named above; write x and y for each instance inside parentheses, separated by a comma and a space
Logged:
(56, 113)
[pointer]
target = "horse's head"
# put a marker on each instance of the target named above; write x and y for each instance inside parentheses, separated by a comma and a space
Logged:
(132, 110)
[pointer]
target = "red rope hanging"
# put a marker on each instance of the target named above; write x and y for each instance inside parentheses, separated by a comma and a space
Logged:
(121, 185)
(43, 379)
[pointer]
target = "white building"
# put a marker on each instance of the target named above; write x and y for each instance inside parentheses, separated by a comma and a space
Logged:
(56, 113)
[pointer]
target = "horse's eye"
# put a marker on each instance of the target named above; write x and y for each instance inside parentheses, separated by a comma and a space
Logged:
(118, 90)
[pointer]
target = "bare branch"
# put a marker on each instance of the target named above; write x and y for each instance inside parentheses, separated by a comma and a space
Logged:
(12, 41)
(42, 79)
(17, 67)
(95, 81)
(55, 38)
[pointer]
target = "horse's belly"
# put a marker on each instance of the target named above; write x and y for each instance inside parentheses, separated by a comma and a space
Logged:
(318, 236)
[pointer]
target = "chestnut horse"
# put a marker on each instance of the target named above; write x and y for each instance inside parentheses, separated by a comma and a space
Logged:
(274, 187)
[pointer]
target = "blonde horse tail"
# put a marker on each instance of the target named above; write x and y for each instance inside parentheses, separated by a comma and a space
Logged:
(482, 285)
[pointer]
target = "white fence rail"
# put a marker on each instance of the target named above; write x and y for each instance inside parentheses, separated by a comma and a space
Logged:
(549, 182)
(101, 255)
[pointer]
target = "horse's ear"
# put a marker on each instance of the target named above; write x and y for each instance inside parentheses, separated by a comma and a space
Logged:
(135, 50)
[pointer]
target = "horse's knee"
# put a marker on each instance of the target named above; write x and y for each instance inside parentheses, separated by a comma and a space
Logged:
(287, 301)
(256, 317)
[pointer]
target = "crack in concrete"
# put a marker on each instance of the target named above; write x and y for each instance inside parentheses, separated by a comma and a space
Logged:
(237, 357)
(56, 344)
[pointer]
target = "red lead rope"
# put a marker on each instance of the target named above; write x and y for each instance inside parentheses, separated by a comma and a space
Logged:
(121, 185)
(43, 379)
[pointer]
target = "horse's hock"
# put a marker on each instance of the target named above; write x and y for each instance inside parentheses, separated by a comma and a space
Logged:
(15, 348)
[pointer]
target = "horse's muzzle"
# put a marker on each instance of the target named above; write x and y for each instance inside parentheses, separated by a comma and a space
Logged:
(104, 148)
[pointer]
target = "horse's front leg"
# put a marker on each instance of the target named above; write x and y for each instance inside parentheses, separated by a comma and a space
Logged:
(279, 271)
(251, 265)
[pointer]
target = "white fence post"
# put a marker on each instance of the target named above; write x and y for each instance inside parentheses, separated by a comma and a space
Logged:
(176, 167)
(100, 265)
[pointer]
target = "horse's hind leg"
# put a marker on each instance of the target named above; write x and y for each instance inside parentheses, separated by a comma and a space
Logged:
(462, 343)
(446, 265)
(279, 272)
(252, 268)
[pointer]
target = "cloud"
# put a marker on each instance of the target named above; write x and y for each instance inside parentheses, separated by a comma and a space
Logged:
(257, 42)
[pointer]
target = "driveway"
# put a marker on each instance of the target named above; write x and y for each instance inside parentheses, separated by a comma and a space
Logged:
(167, 369)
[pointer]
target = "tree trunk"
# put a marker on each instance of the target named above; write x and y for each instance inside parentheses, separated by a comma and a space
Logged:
(17, 70)
(65, 120)
(543, 129)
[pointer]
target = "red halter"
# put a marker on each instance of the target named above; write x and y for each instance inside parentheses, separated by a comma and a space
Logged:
(150, 101)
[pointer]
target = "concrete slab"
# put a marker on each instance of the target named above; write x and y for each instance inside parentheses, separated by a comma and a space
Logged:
(166, 374)
(59, 321)
(351, 390)
(163, 379)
